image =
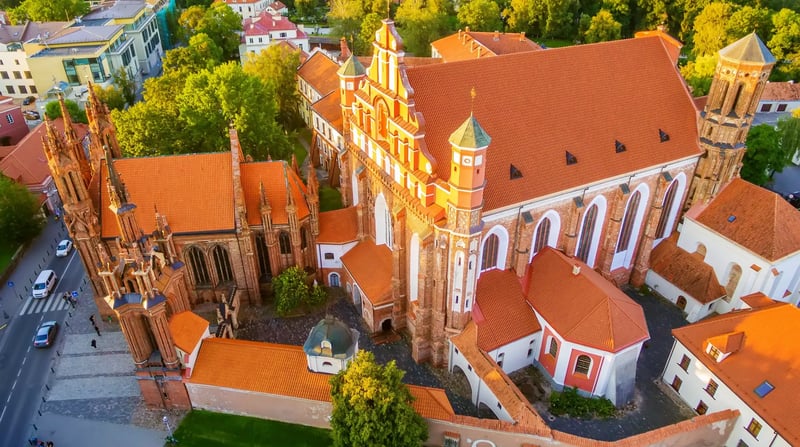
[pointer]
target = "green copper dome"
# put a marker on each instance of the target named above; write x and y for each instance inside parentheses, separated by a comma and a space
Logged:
(331, 338)
(470, 135)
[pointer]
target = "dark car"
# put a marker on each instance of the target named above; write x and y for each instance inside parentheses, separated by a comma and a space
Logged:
(31, 115)
(46, 334)
(29, 100)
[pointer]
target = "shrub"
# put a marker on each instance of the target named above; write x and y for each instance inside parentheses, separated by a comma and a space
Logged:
(571, 403)
(317, 296)
(290, 290)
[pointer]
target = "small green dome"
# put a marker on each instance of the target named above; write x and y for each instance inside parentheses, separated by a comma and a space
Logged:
(331, 338)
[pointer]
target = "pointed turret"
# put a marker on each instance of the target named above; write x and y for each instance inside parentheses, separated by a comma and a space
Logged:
(295, 168)
(467, 173)
(294, 222)
(104, 136)
(131, 235)
(313, 199)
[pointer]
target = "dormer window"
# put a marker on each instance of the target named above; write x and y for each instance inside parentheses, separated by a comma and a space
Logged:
(714, 352)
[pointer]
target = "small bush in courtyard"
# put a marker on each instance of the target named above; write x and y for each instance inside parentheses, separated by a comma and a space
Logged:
(317, 296)
(571, 403)
(290, 290)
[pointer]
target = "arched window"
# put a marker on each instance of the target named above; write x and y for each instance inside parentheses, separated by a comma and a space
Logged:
(733, 280)
(383, 222)
(413, 274)
(130, 287)
(489, 257)
(625, 231)
(285, 243)
(303, 238)
(553, 349)
(583, 365)
(197, 264)
(222, 264)
(263, 259)
(333, 280)
(701, 250)
(587, 234)
(663, 229)
(383, 120)
(542, 235)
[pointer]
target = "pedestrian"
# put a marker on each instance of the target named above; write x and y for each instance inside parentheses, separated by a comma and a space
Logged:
(50, 444)
(94, 343)
(91, 318)
(97, 329)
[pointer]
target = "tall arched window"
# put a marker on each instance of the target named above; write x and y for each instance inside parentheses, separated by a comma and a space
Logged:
(583, 365)
(490, 248)
(624, 240)
(222, 264)
(303, 238)
(263, 259)
(285, 243)
(197, 264)
(383, 120)
(734, 275)
(383, 222)
(587, 233)
(663, 229)
(542, 235)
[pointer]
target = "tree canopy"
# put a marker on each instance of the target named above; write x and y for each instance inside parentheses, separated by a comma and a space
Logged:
(76, 114)
(421, 22)
(219, 22)
(276, 66)
(372, 406)
(48, 10)
(20, 217)
(770, 149)
(480, 15)
(603, 28)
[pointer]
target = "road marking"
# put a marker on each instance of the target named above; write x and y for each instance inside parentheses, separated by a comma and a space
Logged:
(3, 326)
(3, 414)
(24, 359)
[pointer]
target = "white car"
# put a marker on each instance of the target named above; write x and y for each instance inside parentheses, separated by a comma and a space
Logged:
(64, 247)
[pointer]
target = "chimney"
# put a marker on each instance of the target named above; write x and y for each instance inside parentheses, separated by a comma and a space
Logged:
(344, 49)
(661, 28)
(466, 29)
(522, 36)
(496, 36)
(576, 270)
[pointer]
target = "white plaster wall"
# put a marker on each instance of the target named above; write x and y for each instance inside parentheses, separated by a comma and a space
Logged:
(338, 251)
(693, 391)
(694, 310)
(515, 354)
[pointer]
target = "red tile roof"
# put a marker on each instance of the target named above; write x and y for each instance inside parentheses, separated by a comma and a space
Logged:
(464, 45)
(26, 163)
(187, 329)
(763, 222)
(330, 109)
(281, 370)
(686, 271)
(757, 299)
(770, 351)
(781, 91)
(274, 175)
(265, 22)
(505, 316)
(583, 308)
(632, 84)
(370, 266)
(194, 192)
(338, 226)
(319, 71)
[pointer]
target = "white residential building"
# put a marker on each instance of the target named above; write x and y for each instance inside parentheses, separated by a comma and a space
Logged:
(267, 29)
(16, 79)
(745, 361)
(247, 8)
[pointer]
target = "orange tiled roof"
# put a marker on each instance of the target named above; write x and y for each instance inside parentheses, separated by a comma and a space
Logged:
(187, 329)
(686, 271)
(505, 316)
(770, 351)
(26, 163)
(194, 192)
(370, 266)
(338, 226)
(757, 299)
(781, 91)
(281, 370)
(764, 223)
(330, 109)
(464, 45)
(319, 71)
(585, 308)
(632, 84)
(275, 175)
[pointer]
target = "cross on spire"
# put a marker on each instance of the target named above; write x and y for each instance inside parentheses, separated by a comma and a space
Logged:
(472, 94)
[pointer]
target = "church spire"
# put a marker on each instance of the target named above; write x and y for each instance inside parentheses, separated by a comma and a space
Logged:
(116, 189)
(73, 142)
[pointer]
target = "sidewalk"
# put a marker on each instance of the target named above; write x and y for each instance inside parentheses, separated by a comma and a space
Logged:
(67, 431)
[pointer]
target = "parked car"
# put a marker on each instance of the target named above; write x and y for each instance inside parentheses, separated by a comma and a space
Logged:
(29, 100)
(64, 247)
(31, 115)
(46, 334)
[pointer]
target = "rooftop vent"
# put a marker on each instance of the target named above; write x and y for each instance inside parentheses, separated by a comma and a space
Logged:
(619, 147)
(514, 172)
(571, 160)
(764, 389)
(663, 136)
(731, 218)
(576, 270)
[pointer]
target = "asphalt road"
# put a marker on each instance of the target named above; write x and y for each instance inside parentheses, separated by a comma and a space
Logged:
(25, 370)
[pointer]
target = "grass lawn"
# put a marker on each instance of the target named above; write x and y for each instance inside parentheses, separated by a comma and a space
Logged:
(6, 253)
(329, 199)
(206, 429)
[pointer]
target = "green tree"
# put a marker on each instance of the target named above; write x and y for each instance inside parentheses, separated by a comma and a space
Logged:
(710, 28)
(345, 17)
(290, 289)
(373, 407)
(111, 96)
(621, 11)
(785, 44)
(560, 15)
(125, 84)
(20, 217)
(48, 10)
(76, 114)
(699, 73)
(480, 15)
(276, 66)
(603, 28)
(421, 22)
(147, 129)
(306, 8)
(201, 53)
(770, 149)
(219, 22)
(521, 15)
(748, 19)
(370, 24)
(317, 296)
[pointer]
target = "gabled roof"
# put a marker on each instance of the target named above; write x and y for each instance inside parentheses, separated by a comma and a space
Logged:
(781, 91)
(583, 308)
(330, 109)
(753, 217)
(686, 271)
(30, 30)
(281, 370)
(194, 192)
(748, 49)
(500, 312)
(338, 226)
(370, 266)
(465, 45)
(770, 351)
(535, 105)
(319, 71)
(275, 175)
(187, 329)
(265, 22)
(27, 163)
(757, 299)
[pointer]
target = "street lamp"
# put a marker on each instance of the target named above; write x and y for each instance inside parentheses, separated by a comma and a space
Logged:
(171, 439)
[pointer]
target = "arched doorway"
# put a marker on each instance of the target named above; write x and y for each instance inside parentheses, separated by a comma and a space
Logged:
(386, 325)
(333, 280)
